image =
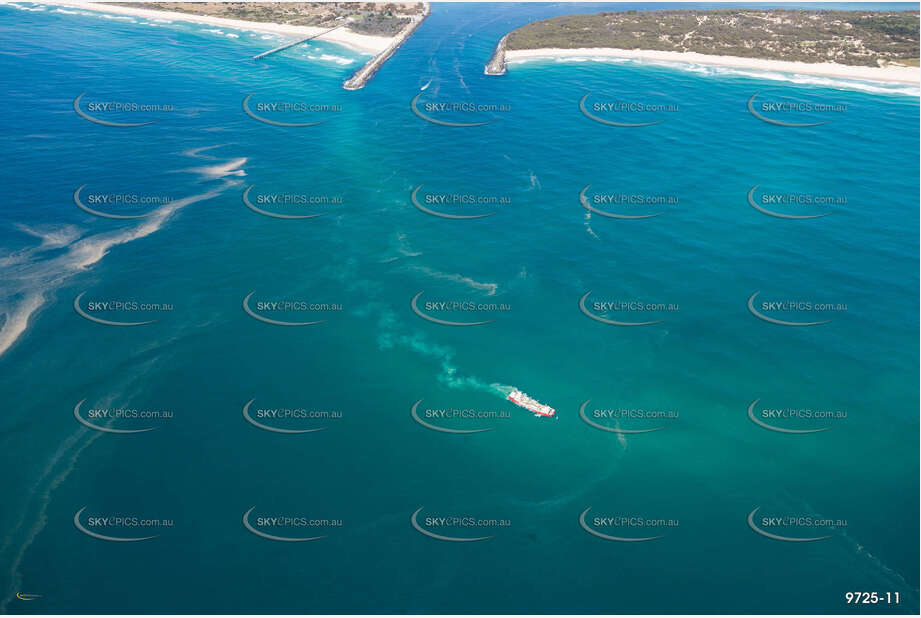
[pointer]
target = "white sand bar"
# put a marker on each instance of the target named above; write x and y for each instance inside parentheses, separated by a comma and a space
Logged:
(343, 36)
(896, 74)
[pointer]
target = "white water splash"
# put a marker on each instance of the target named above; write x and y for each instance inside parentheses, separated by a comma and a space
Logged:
(331, 58)
(26, 8)
(911, 90)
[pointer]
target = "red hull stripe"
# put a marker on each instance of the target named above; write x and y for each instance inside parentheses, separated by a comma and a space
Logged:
(531, 409)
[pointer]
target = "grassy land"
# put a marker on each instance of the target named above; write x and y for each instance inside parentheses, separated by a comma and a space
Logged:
(847, 37)
(363, 17)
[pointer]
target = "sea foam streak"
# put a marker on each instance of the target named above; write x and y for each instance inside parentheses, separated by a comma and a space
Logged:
(230, 168)
(43, 489)
(394, 334)
(56, 471)
(28, 284)
(588, 225)
(17, 319)
(489, 288)
(52, 237)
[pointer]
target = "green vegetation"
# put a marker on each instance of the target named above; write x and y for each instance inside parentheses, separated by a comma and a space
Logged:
(362, 17)
(867, 38)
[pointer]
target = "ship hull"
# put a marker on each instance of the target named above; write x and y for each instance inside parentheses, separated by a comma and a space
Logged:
(547, 414)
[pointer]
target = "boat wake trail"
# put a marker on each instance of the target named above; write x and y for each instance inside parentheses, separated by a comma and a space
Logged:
(489, 288)
(393, 334)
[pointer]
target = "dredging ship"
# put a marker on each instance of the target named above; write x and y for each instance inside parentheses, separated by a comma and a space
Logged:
(529, 403)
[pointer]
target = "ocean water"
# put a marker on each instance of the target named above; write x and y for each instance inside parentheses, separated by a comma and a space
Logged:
(705, 469)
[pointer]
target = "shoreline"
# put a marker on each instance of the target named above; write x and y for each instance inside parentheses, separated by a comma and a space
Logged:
(365, 73)
(890, 74)
(360, 42)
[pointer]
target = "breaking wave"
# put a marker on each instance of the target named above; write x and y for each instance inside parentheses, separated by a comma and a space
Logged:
(911, 90)
(118, 17)
(843, 83)
(331, 58)
(26, 8)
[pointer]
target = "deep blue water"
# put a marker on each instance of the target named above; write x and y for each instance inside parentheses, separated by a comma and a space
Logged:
(371, 469)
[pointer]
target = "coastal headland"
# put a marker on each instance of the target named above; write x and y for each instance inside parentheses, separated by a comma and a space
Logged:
(496, 64)
(877, 46)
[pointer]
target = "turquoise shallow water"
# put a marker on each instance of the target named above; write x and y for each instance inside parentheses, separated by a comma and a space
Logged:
(373, 467)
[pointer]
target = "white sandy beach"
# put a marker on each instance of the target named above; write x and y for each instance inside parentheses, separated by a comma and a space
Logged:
(343, 36)
(897, 74)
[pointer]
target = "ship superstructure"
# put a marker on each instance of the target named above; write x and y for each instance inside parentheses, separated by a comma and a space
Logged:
(529, 403)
